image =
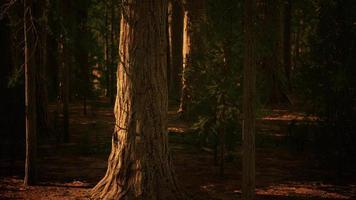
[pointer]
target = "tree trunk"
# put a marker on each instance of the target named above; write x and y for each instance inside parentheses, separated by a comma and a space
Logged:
(112, 57)
(106, 51)
(65, 90)
(139, 166)
(30, 100)
(221, 102)
(249, 93)
(194, 14)
(41, 74)
(169, 43)
(65, 69)
(176, 30)
(81, 49)
(272, 21)
(222, 141)
(287, 56)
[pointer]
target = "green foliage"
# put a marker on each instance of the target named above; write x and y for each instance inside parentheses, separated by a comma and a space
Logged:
(216, 75)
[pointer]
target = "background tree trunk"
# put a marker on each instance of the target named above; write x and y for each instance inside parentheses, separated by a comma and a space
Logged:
(272, 39)
(81, 49)
(41, 71)
(30, 99)
(287, 56)
(106, 51)
(176, 30)
(139, 165)
(249, 96)
(65, 90)
(169, 43)
(194, 14)
(66, 60)
(112, 60)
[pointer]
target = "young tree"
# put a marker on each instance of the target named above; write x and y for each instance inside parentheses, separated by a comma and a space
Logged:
(249, 93)
(139, 166)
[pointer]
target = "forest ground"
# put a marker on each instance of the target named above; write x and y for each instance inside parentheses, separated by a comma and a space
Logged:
(68, 171)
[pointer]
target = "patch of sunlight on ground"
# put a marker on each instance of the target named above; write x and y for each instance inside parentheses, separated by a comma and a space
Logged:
(307, 190)
(176, 129)
(279, 115)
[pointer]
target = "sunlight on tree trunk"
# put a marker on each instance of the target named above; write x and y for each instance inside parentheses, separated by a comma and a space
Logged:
(139, 166)
(194, 14)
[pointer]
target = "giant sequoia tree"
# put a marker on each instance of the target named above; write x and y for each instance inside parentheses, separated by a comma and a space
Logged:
(139, 166)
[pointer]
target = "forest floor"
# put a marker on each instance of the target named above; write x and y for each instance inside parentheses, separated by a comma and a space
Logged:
(68, 171)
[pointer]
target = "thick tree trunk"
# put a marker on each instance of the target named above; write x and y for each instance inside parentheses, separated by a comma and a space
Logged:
(139, 166)
(249, 93)
(30, 101)
(194, 14)
(176, 30)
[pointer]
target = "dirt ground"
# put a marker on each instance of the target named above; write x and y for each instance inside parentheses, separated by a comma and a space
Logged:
(68, 171)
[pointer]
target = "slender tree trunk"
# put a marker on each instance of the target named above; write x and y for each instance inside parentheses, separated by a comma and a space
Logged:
(249, 93)
(139, 166)
(30, 100)
(287, 56)
(176, 30)
(65, 92)
(297, 46)
(222, 141)
(169, 43)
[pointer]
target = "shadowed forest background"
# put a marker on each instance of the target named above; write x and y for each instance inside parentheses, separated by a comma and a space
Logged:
(192, 99)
